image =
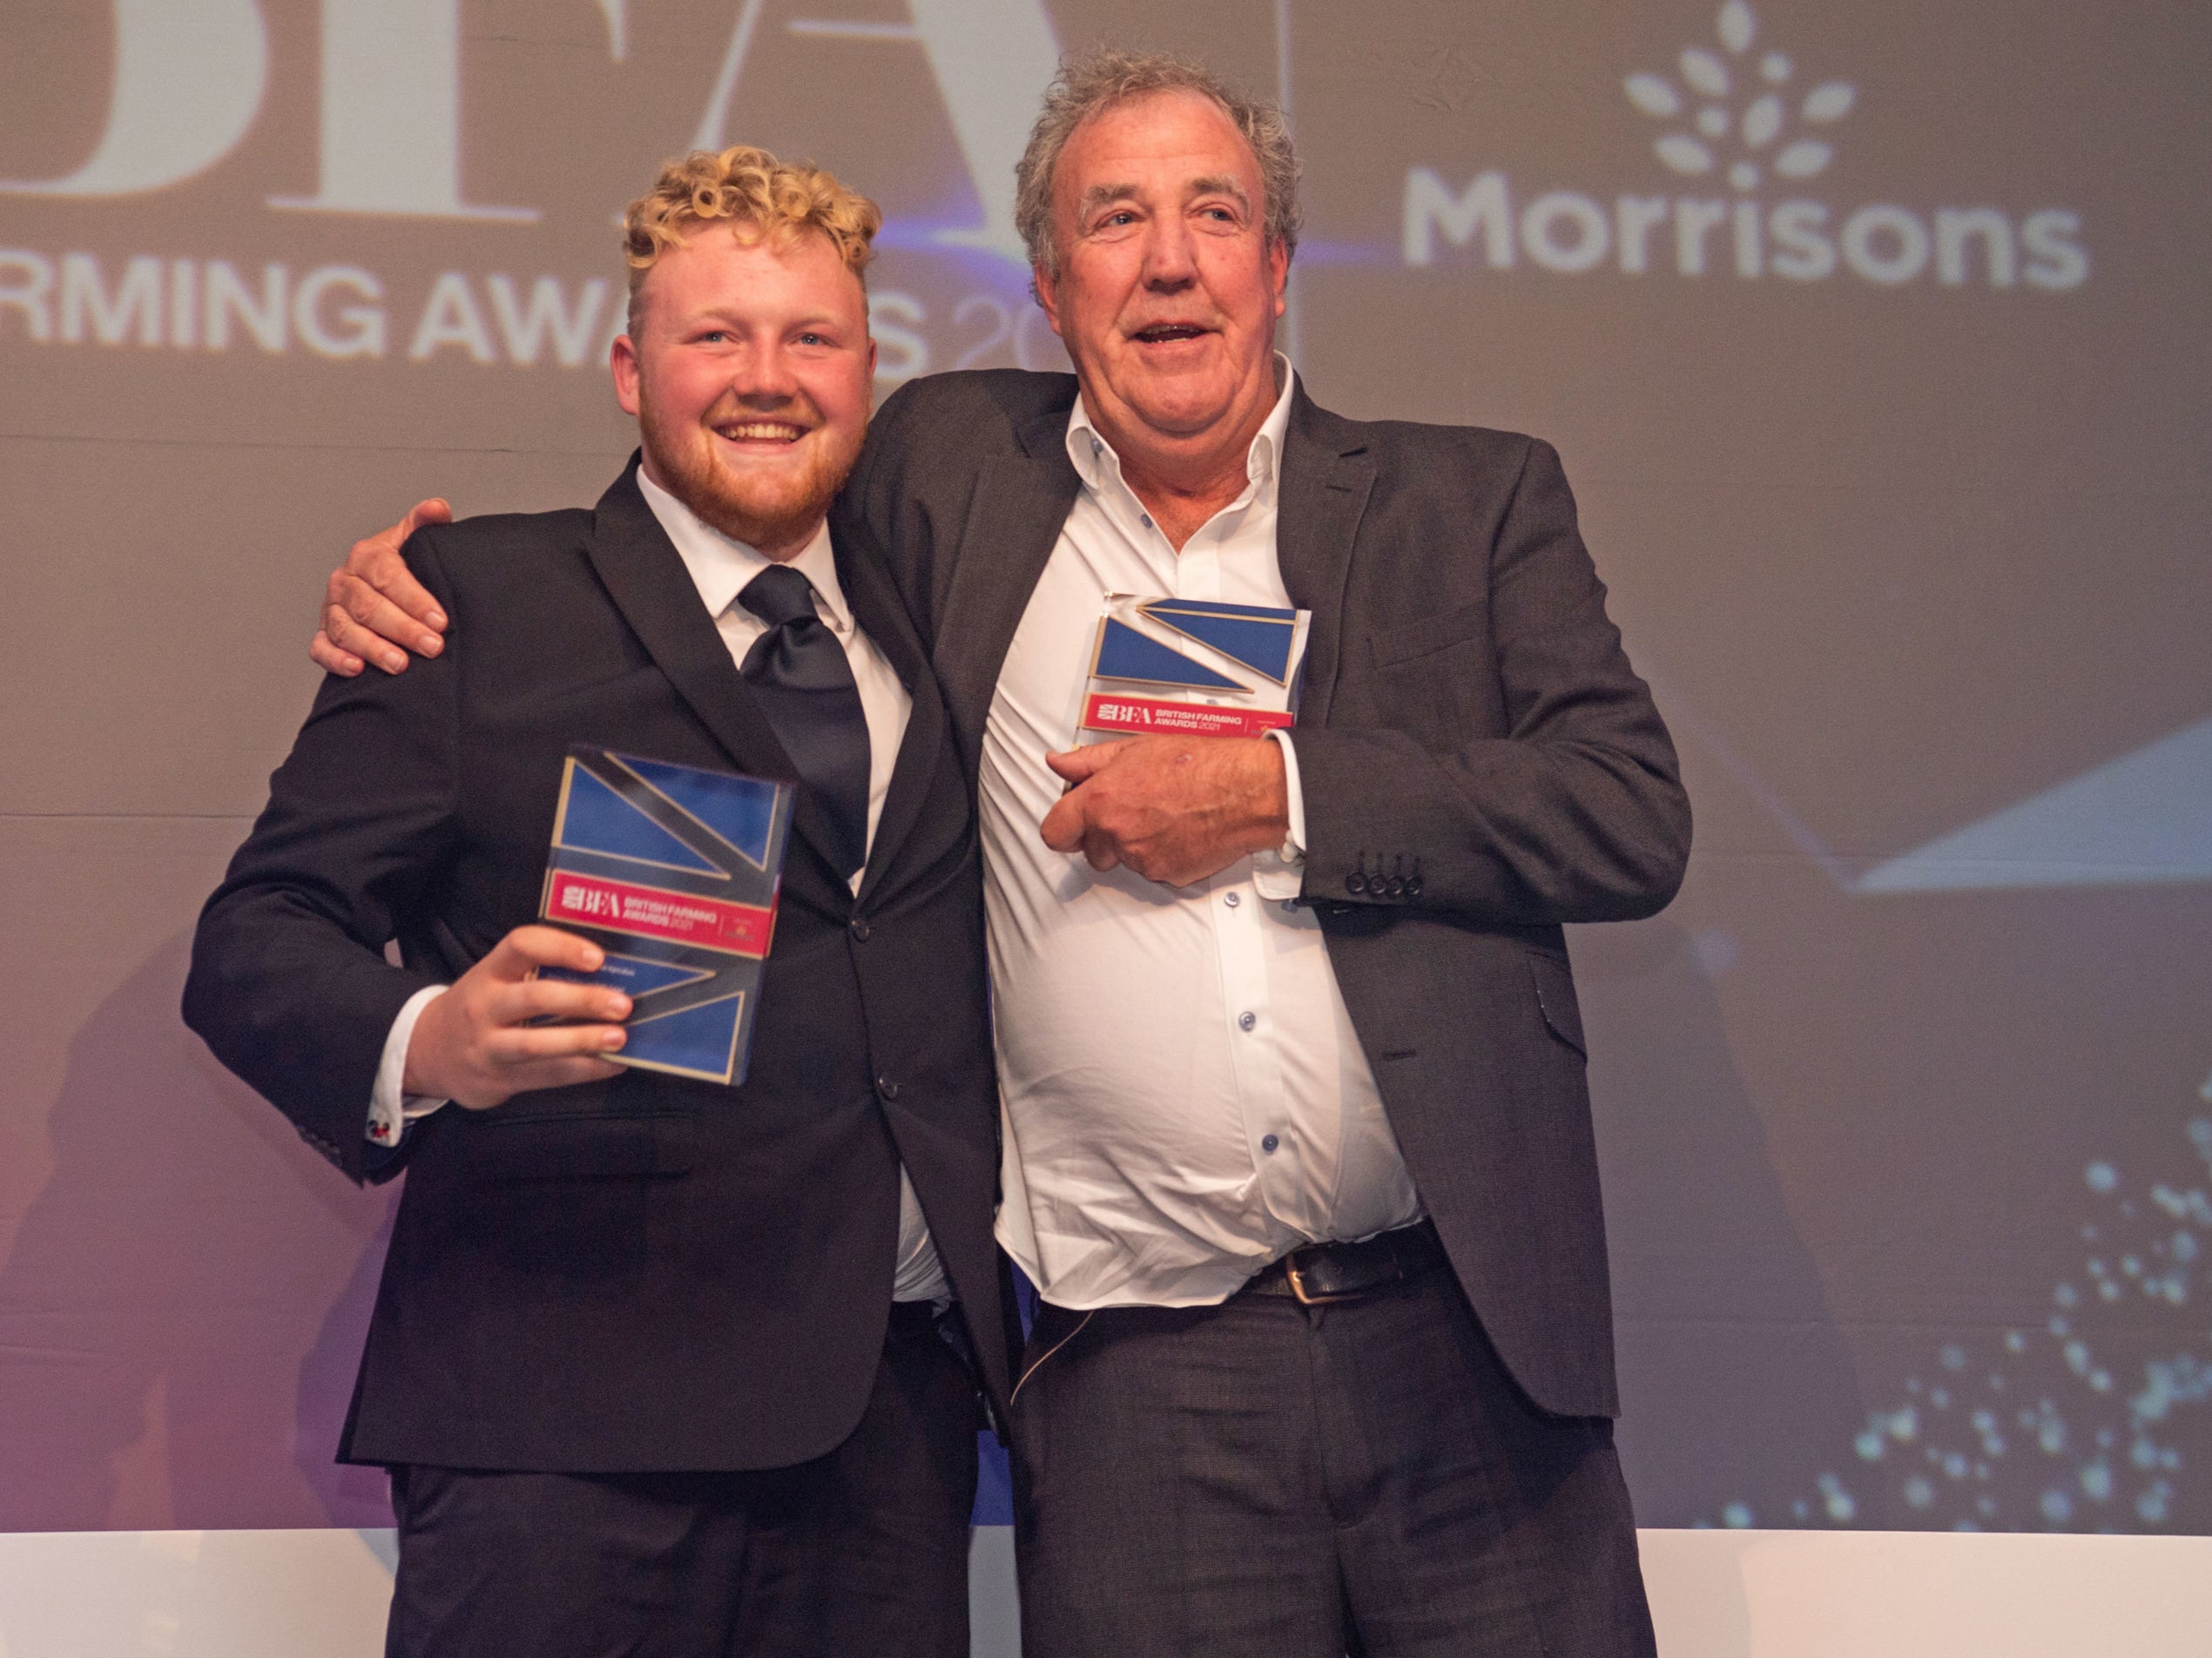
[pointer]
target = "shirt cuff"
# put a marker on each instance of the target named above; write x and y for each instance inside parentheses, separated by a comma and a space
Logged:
(1281, 873)
(390, 1110)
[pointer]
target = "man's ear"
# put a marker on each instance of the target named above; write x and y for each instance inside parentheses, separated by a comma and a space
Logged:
(1278, 274)
(1043, 287)
(621, 358)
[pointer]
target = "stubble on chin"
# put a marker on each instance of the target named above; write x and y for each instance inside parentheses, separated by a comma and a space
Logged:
(758, 510)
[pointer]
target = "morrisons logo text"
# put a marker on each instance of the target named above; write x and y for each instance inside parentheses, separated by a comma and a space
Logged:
(1569, 232)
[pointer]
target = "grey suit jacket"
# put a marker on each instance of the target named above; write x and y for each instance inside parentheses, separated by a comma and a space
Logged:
(1479, 764)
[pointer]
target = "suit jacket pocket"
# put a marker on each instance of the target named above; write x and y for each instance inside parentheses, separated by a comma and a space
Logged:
(1555, 985)
(1428, 634)
(581, 1145)
(1433, 679)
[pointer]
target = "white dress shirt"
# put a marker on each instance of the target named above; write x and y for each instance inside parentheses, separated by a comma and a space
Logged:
(720, 568)
(1184, 1096)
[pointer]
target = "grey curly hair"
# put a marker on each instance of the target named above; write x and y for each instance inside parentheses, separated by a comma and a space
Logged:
(1096, 81)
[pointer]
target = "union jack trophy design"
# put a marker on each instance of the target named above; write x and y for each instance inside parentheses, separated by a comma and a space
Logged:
(673, 870)
(1193, 667)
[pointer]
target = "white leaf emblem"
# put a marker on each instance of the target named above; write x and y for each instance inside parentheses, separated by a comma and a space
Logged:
(1831, 102)
(1713, 133)
(1654, 96)
(1762, 121)
(1803, 159)
(1736, 25)
(1704, 72)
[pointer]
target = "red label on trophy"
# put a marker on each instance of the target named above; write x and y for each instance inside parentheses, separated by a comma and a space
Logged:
(653, 913)
(1143, 716)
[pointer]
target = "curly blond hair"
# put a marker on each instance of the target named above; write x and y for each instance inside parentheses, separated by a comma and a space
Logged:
(751, 189)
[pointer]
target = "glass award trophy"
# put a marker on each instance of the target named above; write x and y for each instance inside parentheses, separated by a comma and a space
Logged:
(1193, 668)
(672, 870)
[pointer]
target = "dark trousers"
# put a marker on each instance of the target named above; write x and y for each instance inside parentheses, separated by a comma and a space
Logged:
(1267, 1478)
(863, 1550)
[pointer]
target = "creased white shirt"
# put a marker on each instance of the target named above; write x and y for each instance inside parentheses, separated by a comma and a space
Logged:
(720, 568)
(1184, 1096)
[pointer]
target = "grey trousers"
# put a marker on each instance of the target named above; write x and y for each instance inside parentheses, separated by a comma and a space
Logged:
(1266, 1479)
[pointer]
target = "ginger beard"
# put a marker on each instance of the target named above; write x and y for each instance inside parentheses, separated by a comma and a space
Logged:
(762, 505)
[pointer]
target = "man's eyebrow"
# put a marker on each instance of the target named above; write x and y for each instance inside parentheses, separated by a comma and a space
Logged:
(721, 316)
(1220, 184)
(1098, 195)
(1213, 184)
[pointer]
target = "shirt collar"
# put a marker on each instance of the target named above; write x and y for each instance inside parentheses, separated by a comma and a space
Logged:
(1095, 462)
(720, 565)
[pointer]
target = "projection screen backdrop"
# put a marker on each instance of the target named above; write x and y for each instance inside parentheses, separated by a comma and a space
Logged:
(1876, 338)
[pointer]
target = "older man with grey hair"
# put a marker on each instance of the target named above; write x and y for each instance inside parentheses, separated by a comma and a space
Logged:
(1297, 1144)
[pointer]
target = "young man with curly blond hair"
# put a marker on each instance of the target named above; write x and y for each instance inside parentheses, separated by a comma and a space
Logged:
(657, 1365)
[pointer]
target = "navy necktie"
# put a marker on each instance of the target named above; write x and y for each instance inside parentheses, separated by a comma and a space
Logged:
(800, 678)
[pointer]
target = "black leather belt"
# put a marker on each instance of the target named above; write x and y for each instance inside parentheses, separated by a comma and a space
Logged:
(1321, 1273)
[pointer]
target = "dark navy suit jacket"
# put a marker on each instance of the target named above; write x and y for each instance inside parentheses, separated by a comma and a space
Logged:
(648, 1273)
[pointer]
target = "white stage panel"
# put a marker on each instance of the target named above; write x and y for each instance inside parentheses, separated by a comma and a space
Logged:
(1715, 1595)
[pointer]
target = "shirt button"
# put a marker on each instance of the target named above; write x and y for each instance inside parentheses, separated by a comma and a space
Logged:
(860, 928)
(1269, 1143)
(1147, 519)
(1246, 1021)
(1231, 900)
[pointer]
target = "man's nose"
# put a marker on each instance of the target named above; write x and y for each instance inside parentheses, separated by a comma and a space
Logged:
(764, 379)
(1170, 255)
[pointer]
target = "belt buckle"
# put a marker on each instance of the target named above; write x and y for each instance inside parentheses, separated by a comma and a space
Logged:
(1312, 1297)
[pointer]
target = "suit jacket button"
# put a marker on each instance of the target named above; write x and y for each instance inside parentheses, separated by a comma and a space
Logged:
(1412, 885)
(1395, 885)
(860, 928)
(1355, 883)
(886, 1089)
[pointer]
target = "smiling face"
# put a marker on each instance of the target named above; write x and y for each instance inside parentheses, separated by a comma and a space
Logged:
(749, 371)
(1169, 289)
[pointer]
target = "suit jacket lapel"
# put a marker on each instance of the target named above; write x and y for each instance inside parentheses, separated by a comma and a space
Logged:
(1014, 519)
(646, 579)
(1021, 500)
(876, 607)
(1326, 480)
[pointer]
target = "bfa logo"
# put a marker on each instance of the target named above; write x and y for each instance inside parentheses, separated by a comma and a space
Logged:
(1737, 113)
(191, 80)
